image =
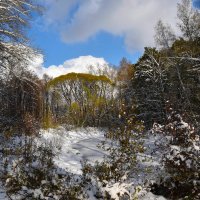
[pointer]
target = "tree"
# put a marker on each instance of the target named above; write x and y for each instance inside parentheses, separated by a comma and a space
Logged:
(15, 17)
(17, 85)
(124, 77)
(85, 99)
(126, 70)
(149, 86)
(164, 36)
(189, 20)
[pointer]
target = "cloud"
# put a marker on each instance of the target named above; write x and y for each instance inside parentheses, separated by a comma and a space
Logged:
(82, 64)
(134, 20)
(57, 11)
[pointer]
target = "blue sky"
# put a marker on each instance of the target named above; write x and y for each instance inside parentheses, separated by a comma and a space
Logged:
(55, 51)
(73, 28)
(197, 3)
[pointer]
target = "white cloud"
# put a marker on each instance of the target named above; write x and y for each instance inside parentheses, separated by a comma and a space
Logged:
(82, 64)
(132, 19)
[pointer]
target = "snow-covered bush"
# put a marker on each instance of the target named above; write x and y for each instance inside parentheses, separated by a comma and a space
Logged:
(182, 157)
(29, 172)
(108, 178)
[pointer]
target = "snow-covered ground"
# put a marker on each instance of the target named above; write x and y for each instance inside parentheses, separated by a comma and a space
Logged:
(3, 195)
(81, 144)
(74, 146)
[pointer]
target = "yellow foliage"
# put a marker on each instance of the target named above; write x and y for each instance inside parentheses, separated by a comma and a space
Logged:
(75, 106)
(78, 76)
(48, 122)
(100, 102)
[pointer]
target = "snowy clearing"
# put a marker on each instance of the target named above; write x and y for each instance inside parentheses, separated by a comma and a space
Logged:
(75, 146)
(81, 144)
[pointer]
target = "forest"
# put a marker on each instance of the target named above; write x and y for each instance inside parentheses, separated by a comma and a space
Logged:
(145, 115)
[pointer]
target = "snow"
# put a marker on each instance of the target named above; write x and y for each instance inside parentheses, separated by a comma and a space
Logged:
(75, 146)
(81, 144)
(150, 196)
(183, 125)
(150, 160)
(117, 190)
(2, 193)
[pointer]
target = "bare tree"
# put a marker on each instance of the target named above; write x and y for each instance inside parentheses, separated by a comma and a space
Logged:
(15, 16)
(164, 36)
(189, 20)
(15, 55)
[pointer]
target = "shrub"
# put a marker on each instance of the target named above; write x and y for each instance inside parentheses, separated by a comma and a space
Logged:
(181, 160)
(29, 173)
(121, 161)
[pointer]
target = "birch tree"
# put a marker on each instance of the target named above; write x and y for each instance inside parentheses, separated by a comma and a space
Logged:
(164, 36)
(189, 20)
